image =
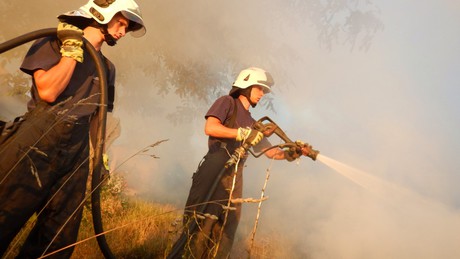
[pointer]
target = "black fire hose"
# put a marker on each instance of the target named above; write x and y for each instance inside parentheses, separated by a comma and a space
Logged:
(102, 115)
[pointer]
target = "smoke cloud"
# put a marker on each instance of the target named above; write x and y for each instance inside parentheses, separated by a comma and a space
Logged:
(374, 87)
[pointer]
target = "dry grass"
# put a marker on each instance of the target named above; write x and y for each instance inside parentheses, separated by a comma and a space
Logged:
(147, 233)
(139, 229)
(136, 229)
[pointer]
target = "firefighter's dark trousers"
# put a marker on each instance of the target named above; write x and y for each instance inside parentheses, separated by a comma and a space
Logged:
(43, 170)
(203, 240)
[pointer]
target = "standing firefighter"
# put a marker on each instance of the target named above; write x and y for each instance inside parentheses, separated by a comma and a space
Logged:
(44, 163)
(209, 232)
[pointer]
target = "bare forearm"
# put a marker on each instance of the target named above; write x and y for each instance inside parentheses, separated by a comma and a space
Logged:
(214, 128)
(276, 154)
(51, 83)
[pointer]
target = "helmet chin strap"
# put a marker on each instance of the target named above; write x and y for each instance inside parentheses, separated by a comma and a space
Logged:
(111, 41)
(247, 93)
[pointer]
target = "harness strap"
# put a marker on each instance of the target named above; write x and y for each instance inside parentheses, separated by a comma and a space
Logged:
(230, 123)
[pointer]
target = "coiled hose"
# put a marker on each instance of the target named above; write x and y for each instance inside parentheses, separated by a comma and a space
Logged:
(102, 115)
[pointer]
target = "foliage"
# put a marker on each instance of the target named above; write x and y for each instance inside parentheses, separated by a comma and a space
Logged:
(177, 69)
(346, 22)
(135, 228)
(15, 83)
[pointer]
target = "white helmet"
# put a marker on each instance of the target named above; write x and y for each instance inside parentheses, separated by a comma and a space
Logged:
(253, 76)
(103, 11)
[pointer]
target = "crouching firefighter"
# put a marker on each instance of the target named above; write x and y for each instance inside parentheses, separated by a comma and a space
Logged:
(209, 230)
(44, 163)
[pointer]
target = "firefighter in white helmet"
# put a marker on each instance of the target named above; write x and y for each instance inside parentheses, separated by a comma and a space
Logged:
(228, 125)
(99, 13)
(44, 163)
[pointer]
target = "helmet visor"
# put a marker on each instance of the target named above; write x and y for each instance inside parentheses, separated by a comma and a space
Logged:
(267, 82)
(136, 25)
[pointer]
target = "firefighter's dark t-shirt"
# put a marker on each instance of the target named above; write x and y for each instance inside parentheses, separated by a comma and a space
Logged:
(82, 94)
(222, 109)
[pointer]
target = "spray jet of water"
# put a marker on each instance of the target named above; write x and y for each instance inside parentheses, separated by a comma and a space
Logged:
(383, 189)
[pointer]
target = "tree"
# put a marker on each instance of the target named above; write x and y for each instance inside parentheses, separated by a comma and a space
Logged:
(195, 49)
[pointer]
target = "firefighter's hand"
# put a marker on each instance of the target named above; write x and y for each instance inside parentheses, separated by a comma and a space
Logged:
(249, 136)
(292, 154)
(71, 38)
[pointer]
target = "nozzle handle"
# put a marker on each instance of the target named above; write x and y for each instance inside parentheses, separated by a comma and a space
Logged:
(269, 128)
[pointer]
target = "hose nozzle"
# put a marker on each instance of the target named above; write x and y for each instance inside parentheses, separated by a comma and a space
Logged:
(307, 150)
(313, 154)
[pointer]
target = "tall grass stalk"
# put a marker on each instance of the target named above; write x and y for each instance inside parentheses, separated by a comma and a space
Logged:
(134, 228)
(259, 206)
(227, 209)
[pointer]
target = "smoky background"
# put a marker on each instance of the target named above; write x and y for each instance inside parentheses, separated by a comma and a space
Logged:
(372, 84)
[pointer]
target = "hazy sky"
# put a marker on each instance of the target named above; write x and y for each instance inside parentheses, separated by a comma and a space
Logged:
(390, 110)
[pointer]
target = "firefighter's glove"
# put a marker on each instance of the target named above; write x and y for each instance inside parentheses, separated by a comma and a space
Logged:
(71, 38)
(292, 153)
(249, 136)
(105, 161)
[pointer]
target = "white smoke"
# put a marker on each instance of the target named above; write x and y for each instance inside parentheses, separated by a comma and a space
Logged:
(389, 108)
